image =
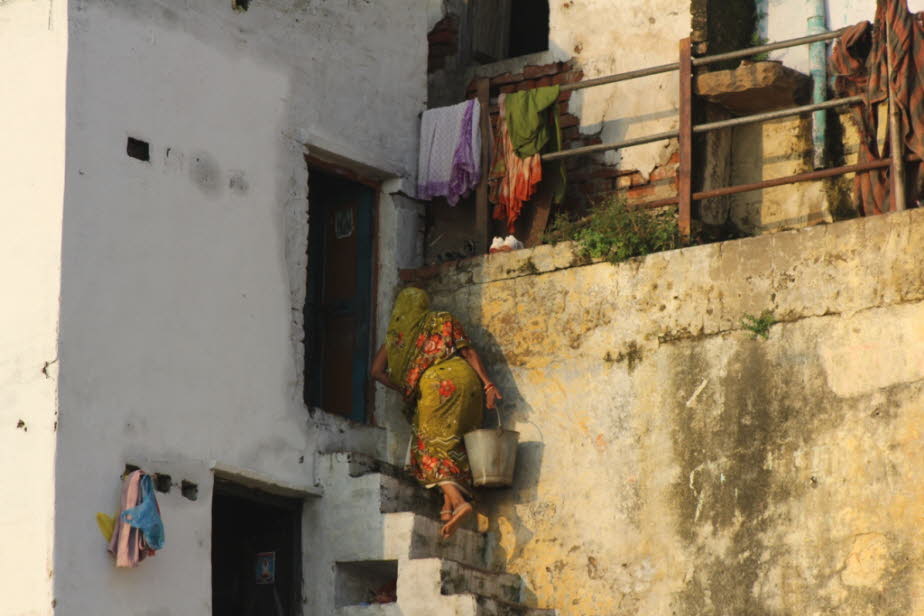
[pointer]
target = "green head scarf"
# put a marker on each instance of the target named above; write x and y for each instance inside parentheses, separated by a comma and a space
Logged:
(408, 321)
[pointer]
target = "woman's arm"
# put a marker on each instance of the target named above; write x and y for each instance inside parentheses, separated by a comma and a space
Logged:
(380, 368)
(491, 392)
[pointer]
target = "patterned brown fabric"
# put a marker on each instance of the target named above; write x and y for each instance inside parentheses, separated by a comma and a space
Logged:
(859, 63)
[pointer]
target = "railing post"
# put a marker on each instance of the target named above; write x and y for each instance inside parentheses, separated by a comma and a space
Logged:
(896, 135)
(482, 207)
(685, 179)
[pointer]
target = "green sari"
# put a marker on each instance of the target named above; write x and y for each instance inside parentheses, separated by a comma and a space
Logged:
(443, 392)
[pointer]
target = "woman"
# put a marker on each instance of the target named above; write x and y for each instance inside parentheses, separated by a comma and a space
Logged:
(427, 357)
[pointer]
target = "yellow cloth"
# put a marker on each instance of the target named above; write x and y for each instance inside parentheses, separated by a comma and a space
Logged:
(106, 525)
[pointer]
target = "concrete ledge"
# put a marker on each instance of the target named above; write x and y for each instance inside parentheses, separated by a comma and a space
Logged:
(260, 481)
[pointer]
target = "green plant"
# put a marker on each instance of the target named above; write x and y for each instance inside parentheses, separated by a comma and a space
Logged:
(758, 41)
(616, 232)
(758, 326)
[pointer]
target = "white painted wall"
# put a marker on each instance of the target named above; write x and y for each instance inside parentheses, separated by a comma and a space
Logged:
(183, 277)
(33, 55)
(787, 19)
(606, 38)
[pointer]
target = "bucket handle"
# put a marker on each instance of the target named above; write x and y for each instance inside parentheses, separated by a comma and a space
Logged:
(500, 423)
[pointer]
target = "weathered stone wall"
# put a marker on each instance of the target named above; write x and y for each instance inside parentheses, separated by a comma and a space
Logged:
(670, 462)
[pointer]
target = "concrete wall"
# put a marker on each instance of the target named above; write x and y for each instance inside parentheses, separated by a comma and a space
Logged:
(780, 20)
(184, 276)
(33, 55)
(670, 462)
(602, 39)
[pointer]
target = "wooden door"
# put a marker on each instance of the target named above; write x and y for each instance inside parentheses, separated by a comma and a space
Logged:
(338, 310)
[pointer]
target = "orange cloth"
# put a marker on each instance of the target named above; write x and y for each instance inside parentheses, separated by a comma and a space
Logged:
(513, 180)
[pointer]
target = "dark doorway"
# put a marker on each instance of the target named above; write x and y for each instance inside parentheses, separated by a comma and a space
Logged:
(256, 552)
(529, 27)
(338, 307)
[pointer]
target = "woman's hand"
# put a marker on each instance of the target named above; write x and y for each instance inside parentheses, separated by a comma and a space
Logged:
(492, 394)
(379, 371)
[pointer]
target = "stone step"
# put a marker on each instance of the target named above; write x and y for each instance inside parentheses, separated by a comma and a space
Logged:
(457, 579)
(384, 609)
(412, 536)
(446, 578)
(495, 607)
(400, 491)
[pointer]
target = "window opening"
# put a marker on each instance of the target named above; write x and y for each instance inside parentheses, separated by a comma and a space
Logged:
(529, 27)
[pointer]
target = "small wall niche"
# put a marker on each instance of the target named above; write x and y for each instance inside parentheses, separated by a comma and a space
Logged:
(138, 149)
(361, 582)
(162, 482)
(189, 490)
(240, 5)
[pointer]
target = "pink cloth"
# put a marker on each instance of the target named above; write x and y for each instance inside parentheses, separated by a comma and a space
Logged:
(126, 544)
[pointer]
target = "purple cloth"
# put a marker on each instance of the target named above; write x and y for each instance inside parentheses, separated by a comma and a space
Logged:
(450, 152)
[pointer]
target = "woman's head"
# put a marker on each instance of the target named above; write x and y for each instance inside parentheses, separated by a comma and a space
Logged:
(411, 302)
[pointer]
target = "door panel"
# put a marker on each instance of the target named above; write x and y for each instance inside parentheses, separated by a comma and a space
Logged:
(338, 307)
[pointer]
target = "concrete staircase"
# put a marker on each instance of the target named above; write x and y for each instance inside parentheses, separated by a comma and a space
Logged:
(374, 525)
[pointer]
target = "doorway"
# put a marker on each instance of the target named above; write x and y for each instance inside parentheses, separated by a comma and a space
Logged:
(338, 305)
(256, 552)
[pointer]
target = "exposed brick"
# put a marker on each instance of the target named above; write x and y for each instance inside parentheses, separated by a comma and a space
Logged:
(566, 120)
(663, 172)
(504, 79)
(641, 193)
(637, 179)
(624, 182)
(543, 82)
(442, 49)
(507, 89)
(442, 37)
(571, 133)
(608, 172)
(531, 72)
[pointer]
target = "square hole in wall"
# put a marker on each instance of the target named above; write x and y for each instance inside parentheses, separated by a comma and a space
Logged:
(240, 5)
(138, 149)
(162, 482)
(365, 582)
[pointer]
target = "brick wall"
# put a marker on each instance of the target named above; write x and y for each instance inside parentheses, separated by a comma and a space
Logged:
(443, 42)
(589, 178)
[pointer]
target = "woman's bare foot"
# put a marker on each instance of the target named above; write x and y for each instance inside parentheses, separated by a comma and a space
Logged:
(458, 514)
(446, 511)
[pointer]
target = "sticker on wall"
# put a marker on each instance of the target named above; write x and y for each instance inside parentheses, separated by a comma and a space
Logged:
(266, 568)
(343, 223)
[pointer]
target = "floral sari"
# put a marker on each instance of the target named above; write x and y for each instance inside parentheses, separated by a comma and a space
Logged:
(442, 391)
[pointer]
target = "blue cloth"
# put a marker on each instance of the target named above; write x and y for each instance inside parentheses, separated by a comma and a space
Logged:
(146, 516)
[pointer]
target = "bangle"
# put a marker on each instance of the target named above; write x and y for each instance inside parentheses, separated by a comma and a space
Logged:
(489, 386)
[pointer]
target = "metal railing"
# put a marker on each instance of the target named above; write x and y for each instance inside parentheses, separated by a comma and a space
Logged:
(684, 134)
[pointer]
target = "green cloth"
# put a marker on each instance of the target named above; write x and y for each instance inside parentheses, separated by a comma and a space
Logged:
(532, 122)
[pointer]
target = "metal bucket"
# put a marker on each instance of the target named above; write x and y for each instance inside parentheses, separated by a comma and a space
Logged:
(492, 454)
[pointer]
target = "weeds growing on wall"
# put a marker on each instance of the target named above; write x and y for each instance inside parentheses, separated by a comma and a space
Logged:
(758, 326)
(616, 232)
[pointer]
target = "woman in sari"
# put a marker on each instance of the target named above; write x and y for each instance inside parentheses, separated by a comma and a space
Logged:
(429, 360)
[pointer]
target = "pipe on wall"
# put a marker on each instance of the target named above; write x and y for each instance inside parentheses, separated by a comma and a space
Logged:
(818, 61)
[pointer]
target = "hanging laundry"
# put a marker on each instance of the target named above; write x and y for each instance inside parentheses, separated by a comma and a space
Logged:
(527, 126)
(532, 119)
(450, 152)
(860, 64)
(139, 530)
(512, 180)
